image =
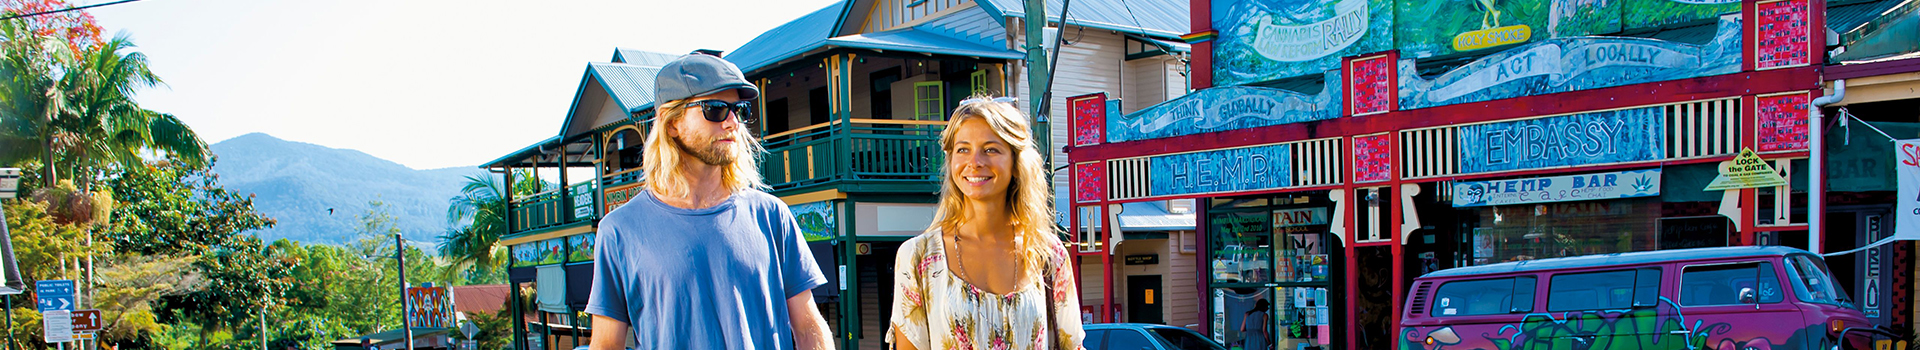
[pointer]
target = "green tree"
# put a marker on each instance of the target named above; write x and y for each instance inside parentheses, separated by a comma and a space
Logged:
(170, 208)
(243, 278)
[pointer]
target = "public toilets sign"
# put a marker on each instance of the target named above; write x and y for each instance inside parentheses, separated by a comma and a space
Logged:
(1610, 185)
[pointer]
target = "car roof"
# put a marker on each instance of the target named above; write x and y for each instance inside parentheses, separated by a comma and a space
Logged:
(1126, 326)
(1618, 259)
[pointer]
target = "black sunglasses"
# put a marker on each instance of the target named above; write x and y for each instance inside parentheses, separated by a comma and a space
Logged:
(716, 110)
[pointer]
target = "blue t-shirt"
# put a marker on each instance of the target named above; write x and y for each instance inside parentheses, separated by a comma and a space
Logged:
(711, 278)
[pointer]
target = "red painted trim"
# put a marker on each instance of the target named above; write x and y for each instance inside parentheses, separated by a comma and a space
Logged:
(1397, 217)
(1201, 63)
(1673, 91)
(1351, 323)
(1780, 228)
(1748, 42)
(1850, 71)
(1232, 194)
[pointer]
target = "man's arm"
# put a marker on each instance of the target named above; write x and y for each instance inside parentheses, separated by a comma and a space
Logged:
(608, 334)
(809, 328)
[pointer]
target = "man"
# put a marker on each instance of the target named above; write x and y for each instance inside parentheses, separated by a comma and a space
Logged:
(703, 259)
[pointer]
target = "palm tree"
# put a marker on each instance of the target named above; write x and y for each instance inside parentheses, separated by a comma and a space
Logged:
(74, 110)
(482, 208)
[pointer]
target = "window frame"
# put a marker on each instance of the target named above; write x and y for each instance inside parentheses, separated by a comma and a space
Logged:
(1513, 296)
(1635, 289)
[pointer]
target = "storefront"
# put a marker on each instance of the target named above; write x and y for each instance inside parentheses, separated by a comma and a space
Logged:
(1333, 175)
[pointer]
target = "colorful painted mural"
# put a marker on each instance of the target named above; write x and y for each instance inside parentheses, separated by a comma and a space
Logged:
(1618, 136)
(1451, 27)
(580, 247)
(817, 220)
(1660, 327)
(1226, 108)
(1570, 64)
(1233, 169)
(1654, 13)
(1263, 40)
(1088, 113)
(536, 253)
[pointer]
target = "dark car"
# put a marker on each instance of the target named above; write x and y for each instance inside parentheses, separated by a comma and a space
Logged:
(1145, 336)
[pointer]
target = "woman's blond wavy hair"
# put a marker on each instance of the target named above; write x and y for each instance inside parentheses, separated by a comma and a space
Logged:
(1029, 201)
(662, 159)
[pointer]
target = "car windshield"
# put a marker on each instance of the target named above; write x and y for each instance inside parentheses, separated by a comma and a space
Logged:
(1186, 339)
(1812, 282)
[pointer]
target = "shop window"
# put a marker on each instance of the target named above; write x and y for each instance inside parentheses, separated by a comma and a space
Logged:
(1302, 246)
(1484, 297)
(1730, 284)
(1552, 230)
(1242, 247)
(1611, 290)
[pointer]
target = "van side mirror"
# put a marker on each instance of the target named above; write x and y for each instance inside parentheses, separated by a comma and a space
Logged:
(1747, 296)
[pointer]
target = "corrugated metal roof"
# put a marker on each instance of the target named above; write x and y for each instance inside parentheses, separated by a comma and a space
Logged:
(519, 157)
(631, 85)
(1846, 17)
(1167, 19)
(1152, 216)
(917, 40)
(642, 58)
(973, 24)
(788, 40)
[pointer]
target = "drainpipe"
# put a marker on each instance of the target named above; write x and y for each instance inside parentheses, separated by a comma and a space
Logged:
(1816, 208)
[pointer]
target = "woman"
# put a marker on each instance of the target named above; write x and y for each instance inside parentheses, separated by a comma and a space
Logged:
(1258, 337)
(990, 273)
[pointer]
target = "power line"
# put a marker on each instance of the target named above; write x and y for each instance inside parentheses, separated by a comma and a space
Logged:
(65, 10)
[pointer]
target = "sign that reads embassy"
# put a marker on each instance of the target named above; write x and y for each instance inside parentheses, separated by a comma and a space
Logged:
(1233, 169)
(1610, 185)
(1628, 135)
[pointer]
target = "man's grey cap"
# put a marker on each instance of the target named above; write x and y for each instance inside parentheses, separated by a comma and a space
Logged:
(698, 74)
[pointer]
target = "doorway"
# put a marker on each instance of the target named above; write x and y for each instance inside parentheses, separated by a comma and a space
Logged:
(1143, 299)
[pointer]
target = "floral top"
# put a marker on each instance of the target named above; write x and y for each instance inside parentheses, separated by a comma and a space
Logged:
(936, 310)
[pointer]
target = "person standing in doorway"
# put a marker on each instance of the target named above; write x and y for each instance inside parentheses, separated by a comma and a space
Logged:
(991, 272)
(1254, 334)
(703, 259)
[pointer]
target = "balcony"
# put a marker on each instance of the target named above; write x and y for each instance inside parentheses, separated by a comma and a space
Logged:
(870, 155)
(552, 209)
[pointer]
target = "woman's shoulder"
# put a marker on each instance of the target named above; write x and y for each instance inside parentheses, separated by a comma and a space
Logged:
(922, 242)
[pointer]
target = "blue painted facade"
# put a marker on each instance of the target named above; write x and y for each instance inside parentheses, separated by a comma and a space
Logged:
(1226, 108)
(1572, 64)
(1618, 136)
(1234, 169)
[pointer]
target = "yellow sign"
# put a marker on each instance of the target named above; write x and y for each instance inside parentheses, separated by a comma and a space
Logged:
(1490, 37)
(1746, 170)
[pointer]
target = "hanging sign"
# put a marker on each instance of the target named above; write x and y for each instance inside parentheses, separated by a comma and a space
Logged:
(620, 195)
(9, 182)
(1907, 168)
(1746, 171)
(1783, 122)
(1609, 185)
(583, 194)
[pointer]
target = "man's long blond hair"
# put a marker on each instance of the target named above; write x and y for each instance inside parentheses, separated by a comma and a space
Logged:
(1028, 199)
(662, 159)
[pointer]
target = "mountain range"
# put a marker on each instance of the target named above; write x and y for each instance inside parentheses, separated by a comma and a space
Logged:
(318, 194)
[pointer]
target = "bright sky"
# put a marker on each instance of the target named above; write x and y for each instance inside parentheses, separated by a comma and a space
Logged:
(429, 84)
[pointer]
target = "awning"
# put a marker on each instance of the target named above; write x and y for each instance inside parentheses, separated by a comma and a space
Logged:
(1148, 216)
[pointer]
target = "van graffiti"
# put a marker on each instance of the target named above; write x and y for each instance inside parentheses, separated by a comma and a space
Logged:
(1661, 327)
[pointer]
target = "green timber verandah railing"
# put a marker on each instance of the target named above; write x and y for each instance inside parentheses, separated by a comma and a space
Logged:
(550, 208)
(864, 150)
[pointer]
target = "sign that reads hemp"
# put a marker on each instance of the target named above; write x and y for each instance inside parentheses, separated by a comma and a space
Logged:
(1746, 171)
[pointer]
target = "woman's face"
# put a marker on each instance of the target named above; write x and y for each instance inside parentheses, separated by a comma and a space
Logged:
(979, 162)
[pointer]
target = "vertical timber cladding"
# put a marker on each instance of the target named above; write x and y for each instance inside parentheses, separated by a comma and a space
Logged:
(1261, 167)
(1697, 129)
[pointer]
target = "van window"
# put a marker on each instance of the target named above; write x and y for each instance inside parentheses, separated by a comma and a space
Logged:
(1730, 284)
(1811, 282)
(1620, 289)
(1483, 297)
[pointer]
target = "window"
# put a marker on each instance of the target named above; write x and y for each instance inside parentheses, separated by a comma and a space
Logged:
(928, 101)
(1185, 339)
(1096, 339)
(1484, 297)
(978, 81)
(1730, 284)
(1811, 281)
(1609, 290)
(1127, 339)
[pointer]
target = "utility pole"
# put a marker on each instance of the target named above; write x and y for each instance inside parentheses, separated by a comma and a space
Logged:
(1037, 78)
(400, 255)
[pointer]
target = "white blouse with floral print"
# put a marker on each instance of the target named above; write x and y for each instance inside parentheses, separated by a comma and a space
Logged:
(938, 311)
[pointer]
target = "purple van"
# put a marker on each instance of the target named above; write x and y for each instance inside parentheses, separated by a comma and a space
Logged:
(1709, 298)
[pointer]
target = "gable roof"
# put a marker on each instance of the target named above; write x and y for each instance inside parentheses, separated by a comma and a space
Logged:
(788, 40)
(1165, 19)
(630, 86)
(642, 58)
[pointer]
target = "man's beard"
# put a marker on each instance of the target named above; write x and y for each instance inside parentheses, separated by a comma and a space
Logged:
(714, 155)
